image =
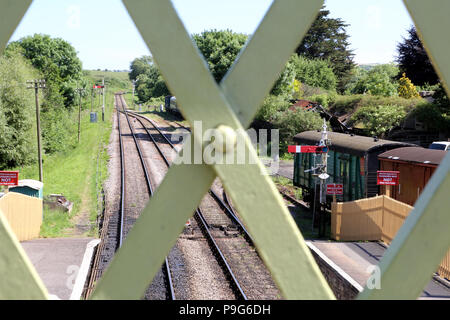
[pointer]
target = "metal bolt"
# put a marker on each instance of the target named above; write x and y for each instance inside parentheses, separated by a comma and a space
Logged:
(229, 138)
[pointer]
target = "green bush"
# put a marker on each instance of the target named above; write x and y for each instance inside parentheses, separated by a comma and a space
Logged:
(350, 103)
(377, 120)
(271, 105)
(314, 72)
(17, 112)
(292, 122)
(379, 81)
(431, 115)
(284, 85)
(324, 99)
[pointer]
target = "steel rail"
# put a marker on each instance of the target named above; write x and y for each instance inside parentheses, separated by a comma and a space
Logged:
(122, 180)
(166, 268)
(228, 209)
(236, 287)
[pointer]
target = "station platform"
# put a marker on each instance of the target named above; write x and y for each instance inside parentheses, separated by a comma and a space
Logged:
(62, 263)
(284, 168)
(354, 260)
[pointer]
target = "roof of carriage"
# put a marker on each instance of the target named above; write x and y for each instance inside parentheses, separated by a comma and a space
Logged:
(348, 143)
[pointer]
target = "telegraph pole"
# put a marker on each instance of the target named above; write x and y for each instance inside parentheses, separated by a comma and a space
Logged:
(80, 91)
(103, 94)
(38, 84)
(132, 98)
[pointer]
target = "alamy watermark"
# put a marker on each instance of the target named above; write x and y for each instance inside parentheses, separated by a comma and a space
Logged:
(224, 145)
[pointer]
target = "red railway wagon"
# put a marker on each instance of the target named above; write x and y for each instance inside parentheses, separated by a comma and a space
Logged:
(416, 166)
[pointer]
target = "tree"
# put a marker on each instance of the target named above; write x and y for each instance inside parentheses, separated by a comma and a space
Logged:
(58, 64)
(413, 60)
(314, 72)
(406, 89)
(220, 49)
(150, 84)
(378, 81)
(377, 120)
(57, 60)
(17, 124)
(328, 40)
(139, 66)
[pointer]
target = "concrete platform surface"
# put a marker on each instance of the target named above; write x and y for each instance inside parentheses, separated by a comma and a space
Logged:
(357, 259)
(284, 168)
(62, 263)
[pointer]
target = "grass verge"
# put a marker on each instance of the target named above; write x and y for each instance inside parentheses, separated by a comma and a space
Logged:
(77, 174)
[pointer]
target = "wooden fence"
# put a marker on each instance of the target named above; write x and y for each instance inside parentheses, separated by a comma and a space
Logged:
(23, 213)
(377, 218)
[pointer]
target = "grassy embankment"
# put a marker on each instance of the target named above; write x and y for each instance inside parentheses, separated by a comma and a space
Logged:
(78, 174)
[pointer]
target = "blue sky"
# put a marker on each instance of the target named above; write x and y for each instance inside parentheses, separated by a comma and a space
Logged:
(105, 36)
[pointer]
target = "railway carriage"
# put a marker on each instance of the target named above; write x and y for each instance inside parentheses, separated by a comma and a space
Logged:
(170, 104)
(416, 166)
(352, 161)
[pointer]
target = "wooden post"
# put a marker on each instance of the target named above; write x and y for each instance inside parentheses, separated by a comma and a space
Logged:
(38, 84)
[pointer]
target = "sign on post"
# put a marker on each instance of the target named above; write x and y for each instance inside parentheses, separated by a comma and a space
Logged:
(335, 189)
(389, 178)
(307, 149)
(9, 178)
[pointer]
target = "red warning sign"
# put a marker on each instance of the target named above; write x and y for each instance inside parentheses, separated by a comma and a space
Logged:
(9, 178)
(389, 178)
(335, 189)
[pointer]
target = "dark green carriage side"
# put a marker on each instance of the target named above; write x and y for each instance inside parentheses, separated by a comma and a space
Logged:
(352, 161)
(342, 168)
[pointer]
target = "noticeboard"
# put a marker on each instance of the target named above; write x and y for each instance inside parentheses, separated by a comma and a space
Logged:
(389, 178)
(335, 189)
(9, 178)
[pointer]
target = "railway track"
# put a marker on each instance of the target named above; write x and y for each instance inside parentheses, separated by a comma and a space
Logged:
(116, 226)
(199, 217)
(206, 221)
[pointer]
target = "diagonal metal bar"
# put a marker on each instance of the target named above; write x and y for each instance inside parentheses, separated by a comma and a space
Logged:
(423, 240)
(19, 279)
(258, 66)
(195, 104)
(11, 13)
(154, 233)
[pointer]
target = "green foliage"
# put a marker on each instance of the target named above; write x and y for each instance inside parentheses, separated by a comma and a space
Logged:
(156, 101)
(432, 116)
(140, 66)
(17, 112)
(291, 122)
(285, 84)
(327, 39)
(58, 130)
(149, 81)
(271, 105)
(406, 89)
(220, 49)
(324, 99)
(57, 60)
(350, 103)
(379, 81)
(377, 120)
(314, 72)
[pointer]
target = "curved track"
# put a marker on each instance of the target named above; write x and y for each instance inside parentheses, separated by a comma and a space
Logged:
(166, 268)
(240, 262)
